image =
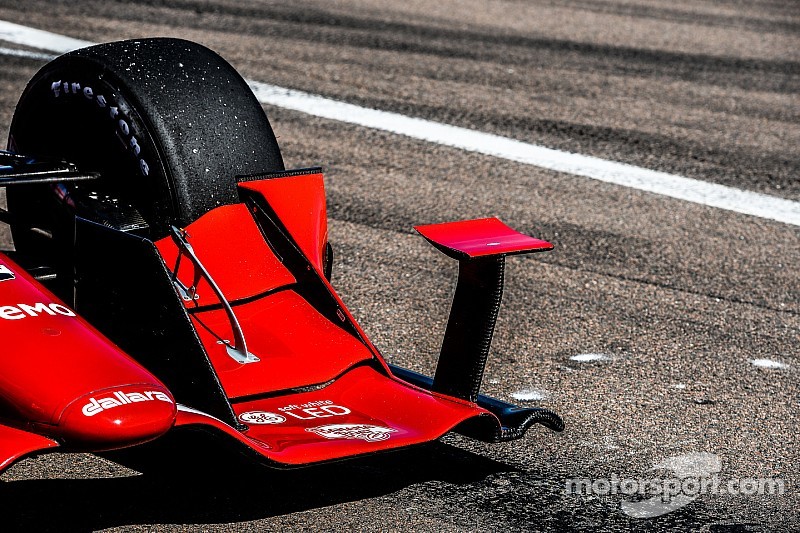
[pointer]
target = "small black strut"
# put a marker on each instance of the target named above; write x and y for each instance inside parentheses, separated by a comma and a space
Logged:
(470, 327)
(18, 169)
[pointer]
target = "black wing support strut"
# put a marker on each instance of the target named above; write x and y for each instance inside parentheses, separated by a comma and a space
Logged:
(480, 246)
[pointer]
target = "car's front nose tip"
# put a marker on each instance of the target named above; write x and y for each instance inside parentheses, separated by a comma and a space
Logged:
(118, 417)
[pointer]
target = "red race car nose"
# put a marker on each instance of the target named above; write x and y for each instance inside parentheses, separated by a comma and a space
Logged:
(117, 417)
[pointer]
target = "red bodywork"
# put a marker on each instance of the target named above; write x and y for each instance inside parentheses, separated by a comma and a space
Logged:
(61, 379)
(355, 404)
(479, 238)
(307, 387)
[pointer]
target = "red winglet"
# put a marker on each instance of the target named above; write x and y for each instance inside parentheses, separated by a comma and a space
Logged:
(16, 444)
(479, 238)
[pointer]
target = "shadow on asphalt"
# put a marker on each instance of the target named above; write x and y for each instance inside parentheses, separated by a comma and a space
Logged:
(207, 484)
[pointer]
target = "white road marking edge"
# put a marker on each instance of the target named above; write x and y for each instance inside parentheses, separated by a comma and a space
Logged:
(674, 186)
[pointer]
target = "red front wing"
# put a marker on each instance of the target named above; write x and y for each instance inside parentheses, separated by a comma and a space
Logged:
(235, 316)
(298, 380)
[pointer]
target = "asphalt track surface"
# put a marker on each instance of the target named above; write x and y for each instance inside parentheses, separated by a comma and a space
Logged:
(678, 298)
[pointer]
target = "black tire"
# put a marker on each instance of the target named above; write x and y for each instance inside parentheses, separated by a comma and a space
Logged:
(168, 124)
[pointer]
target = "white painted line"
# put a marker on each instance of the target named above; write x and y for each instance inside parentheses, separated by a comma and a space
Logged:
(768, 363)
(43, 40)
(590, 357)
(529, 395)
(674, 186)
(700, 192)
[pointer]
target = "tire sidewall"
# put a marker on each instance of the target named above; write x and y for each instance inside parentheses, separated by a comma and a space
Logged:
(75, 111)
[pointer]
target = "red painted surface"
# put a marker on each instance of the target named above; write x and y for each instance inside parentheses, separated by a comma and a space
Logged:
(53, 363)
(16, 444)
(66, 381)
(230, 245)
(299, 203)
(296, 345)
(358, 409)
(480, 237)
(361, 412)
(192, 417)
(117, 417)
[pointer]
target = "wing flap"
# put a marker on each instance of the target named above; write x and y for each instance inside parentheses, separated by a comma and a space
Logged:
(16, 444)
